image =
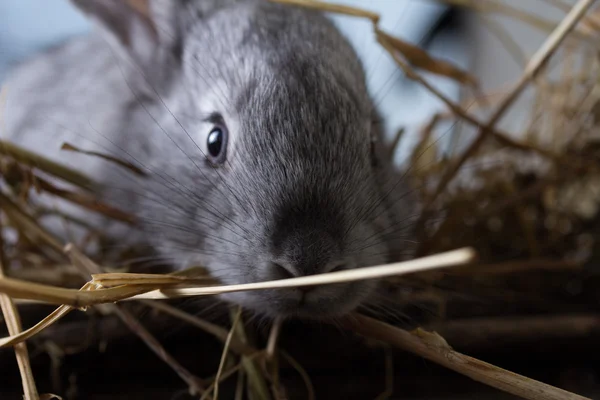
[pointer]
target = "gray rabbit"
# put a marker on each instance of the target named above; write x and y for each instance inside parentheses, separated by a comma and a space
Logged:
(255, 129)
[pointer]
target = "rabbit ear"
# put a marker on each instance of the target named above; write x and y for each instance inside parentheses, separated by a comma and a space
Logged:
(130, 22)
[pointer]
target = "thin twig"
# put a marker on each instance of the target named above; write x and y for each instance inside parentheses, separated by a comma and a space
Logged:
(121, 163)
(196, 385)
(87, 267)
(448, 259)
(220, 333)
(31, 228)
(510, 44)
(230, 336)
(335, 8)
(46, 165)
(13, 323)
(303, 374)
(389, 374)
(518, 14)
(82, 298)
(565, 7)
(51, 319)
(85, 200)
(393, 147)
(236, 368)
(273, 337)
(239, 389)
(534, 66)
(434, 348)
(257, 386)
(384, 39)
(502, 138)
(387, 41)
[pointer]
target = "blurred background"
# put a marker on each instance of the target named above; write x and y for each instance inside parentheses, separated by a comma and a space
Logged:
(30, 26)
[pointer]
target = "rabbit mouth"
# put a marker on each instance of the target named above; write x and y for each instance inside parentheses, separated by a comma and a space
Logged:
(315, 303)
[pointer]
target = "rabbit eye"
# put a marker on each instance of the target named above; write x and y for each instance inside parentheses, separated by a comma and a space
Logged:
(217, 145)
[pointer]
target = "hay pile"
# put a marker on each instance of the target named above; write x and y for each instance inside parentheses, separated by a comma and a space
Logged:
(530, 303)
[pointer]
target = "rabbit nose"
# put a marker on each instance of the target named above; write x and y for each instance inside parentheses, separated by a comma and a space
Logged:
(286, 270)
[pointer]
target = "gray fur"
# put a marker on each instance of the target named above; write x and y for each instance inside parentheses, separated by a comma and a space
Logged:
(299, 188)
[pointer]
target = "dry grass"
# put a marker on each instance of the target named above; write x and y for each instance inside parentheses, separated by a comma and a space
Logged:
(13, 322)
(433, 347)
(541, 217)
